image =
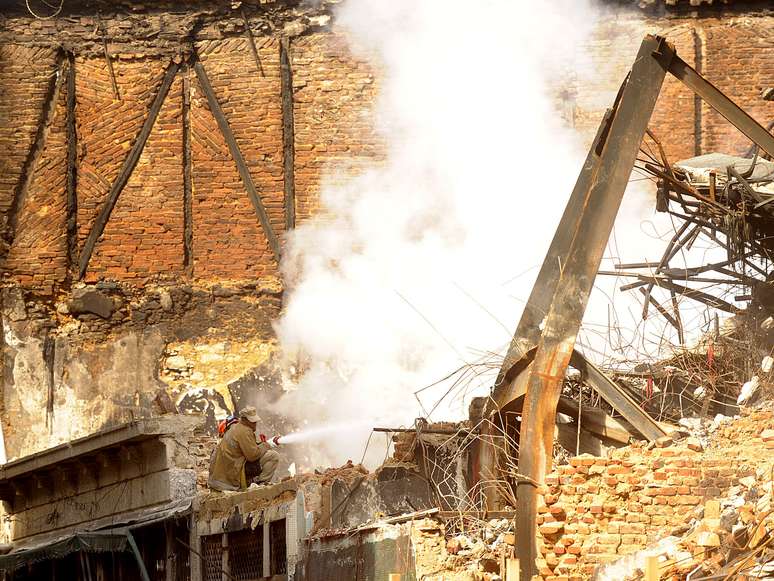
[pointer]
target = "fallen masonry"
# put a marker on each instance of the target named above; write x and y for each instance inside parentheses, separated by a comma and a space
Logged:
(159, 156)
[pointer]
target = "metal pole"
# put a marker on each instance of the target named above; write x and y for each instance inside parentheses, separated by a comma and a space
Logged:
(137, 556)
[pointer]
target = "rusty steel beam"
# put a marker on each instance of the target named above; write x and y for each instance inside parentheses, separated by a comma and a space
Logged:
(576, 279)
(527, 333)
(715, 98)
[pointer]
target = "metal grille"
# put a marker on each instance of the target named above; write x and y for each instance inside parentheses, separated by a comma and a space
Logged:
(278, 544)
(212, 558)
(245, 554)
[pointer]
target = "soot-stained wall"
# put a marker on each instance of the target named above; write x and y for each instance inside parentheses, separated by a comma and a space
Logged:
(168, 299)
(173, 303)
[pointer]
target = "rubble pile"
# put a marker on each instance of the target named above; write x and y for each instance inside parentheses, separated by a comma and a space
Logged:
(731, 537)
(597, 509)
(445, 552)
(717, 375)
(700, 500)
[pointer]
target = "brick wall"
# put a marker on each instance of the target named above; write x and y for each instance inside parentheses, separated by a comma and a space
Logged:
(333, 93)
(37, 256)
(25, 74)
(144, 236)
(732, 47)
(228, 240)
(598, 509)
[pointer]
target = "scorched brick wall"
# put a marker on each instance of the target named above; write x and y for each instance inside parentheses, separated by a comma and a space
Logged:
(159, 229)
(228, 240)
(733, 47)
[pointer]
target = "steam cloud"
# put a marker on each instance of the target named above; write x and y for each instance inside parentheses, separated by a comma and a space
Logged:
(422, 263)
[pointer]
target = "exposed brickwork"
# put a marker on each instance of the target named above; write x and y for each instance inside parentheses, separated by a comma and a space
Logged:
(144, 236)
(673, 120)
(333, 95)
(24, 81)
(734, 51)
(38, 255)
(107, 128)
(597, 509)
(228, 240)
(742, 49)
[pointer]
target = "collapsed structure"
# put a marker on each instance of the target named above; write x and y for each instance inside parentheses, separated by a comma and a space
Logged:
(143, 134)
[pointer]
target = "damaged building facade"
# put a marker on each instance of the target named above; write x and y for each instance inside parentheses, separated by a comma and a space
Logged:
(156, 157)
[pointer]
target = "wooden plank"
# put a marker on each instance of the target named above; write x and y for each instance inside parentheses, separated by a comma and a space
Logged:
(188, 263)
(288, 134)
(251, 42)
(71, 202)
(236, 154)
(35, 151)
(126, 170)
(512, 572)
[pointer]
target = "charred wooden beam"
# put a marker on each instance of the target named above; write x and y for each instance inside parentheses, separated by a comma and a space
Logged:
(108, 61)
(188, 262)
(236, 155)
(126, 171)
(251, 42)
(288, 134)
(35, 151)
(71, 202)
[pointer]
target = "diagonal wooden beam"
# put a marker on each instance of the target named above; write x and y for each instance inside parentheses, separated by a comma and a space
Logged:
(236, 154)
(36, 150)
(126, 170)
(72, 170)
(288, 133)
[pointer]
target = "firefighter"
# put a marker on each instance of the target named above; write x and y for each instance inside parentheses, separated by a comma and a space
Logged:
(242, 459)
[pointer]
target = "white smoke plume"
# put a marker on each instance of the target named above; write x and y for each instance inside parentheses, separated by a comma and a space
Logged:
(427, 259)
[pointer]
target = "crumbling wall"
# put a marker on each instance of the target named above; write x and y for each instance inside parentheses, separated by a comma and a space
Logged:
(174, 308)
(597, 509)
(179, 294)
